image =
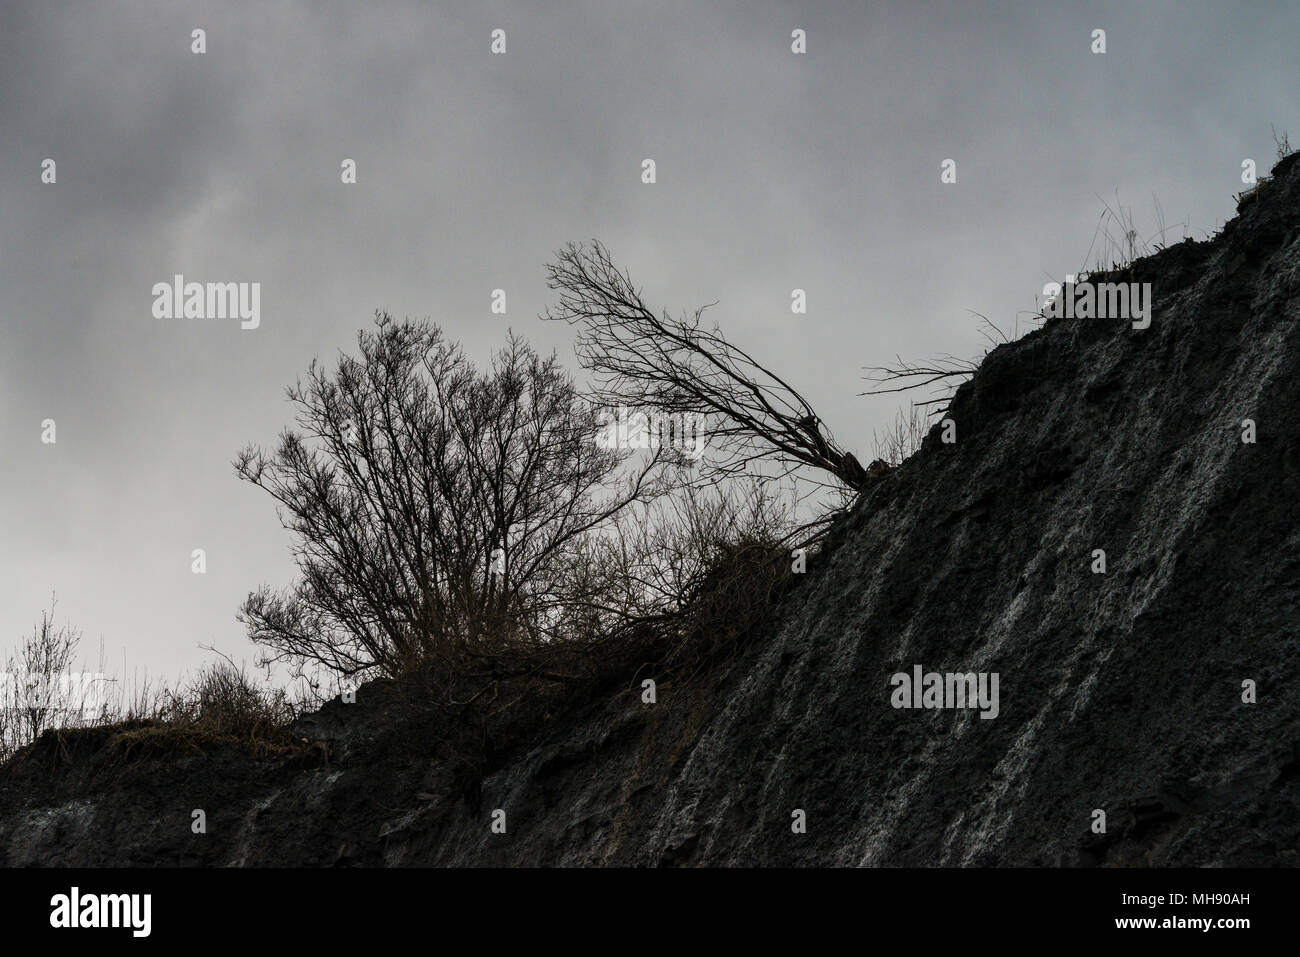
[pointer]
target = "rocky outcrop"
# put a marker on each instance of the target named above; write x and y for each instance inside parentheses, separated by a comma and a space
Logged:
(1123, 691)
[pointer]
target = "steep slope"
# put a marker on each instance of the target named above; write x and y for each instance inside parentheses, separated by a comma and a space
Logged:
(1119, 691)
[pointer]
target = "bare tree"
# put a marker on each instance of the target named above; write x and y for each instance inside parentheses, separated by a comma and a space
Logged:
(437, 510)
(677, 366)
(31, 699)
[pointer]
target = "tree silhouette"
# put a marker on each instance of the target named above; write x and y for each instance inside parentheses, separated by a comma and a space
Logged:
(437, 509)
(678, 366)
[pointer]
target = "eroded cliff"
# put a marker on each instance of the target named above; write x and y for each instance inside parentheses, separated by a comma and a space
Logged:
(1120, 691)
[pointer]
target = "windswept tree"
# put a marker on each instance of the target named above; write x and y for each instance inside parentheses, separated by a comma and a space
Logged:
(438, 509)
(679, 366)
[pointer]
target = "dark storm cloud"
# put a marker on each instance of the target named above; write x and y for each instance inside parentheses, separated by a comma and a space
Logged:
(775, 171)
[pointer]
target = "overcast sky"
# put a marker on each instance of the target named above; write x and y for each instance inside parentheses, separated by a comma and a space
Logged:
(775, 171)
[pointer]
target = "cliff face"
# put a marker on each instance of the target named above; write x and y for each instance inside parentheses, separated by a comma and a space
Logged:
(1119, 691)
